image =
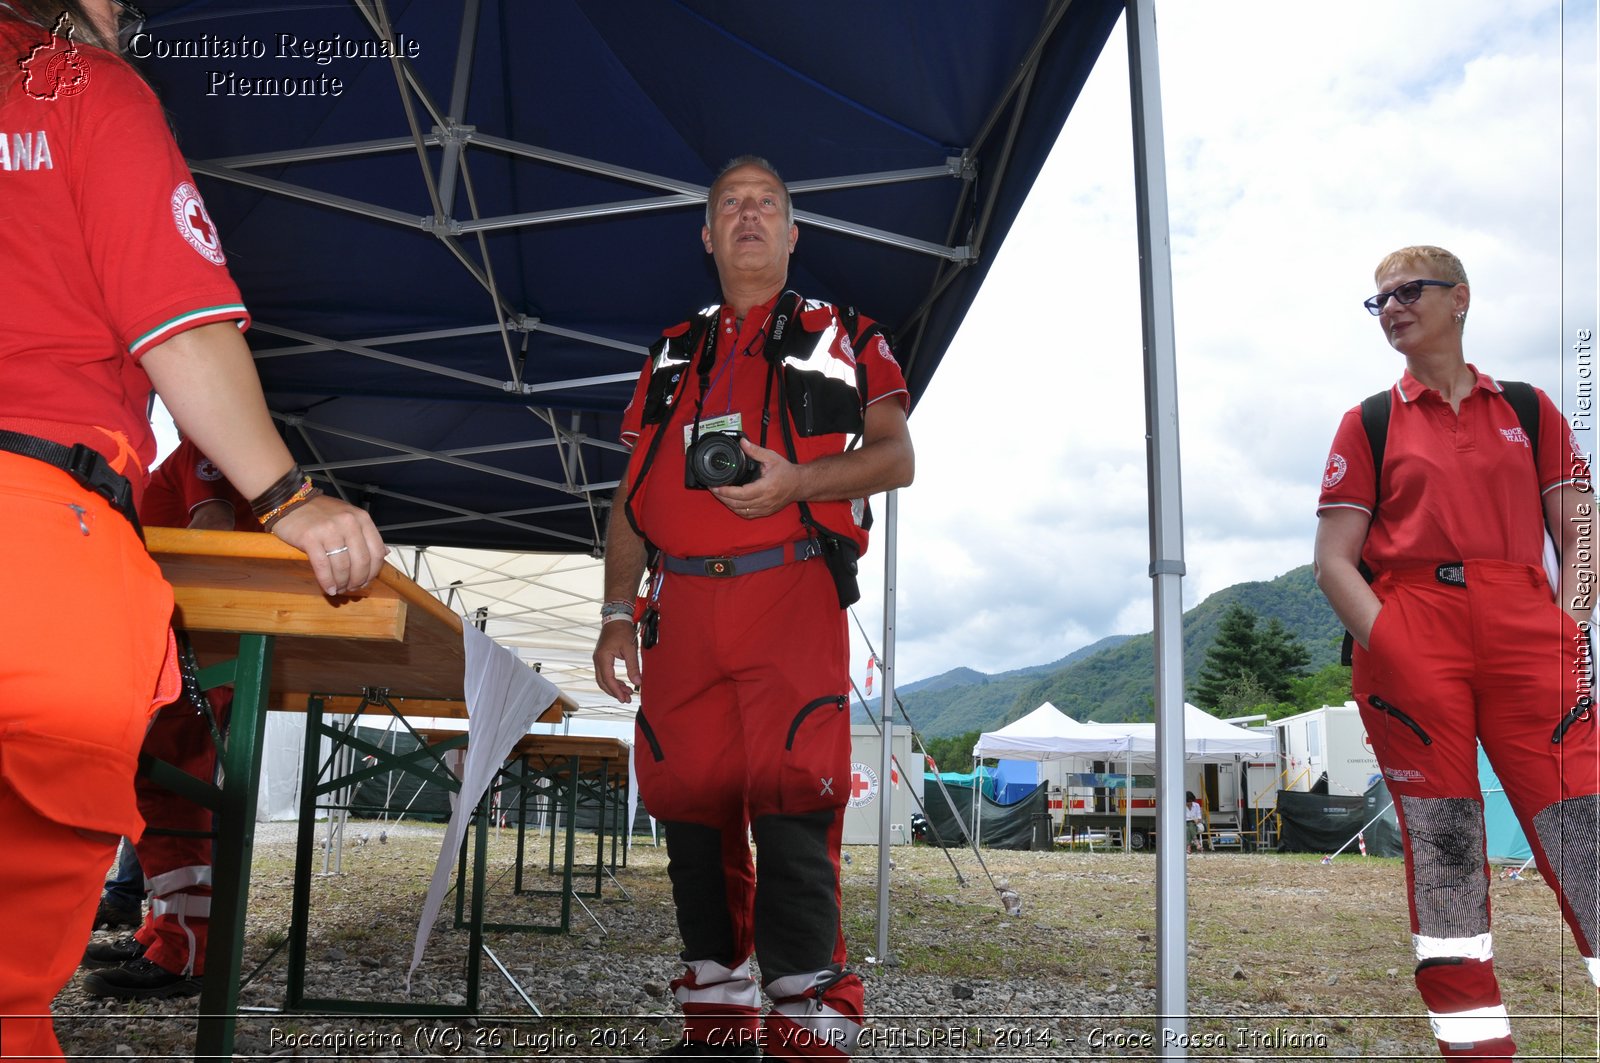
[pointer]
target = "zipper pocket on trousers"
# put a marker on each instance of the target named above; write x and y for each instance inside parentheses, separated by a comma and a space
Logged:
(1384, 707)
(649, 736)
(837, 701)
(1580, 711)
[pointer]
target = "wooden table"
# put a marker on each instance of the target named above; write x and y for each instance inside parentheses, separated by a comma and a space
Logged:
(579, 769)
(259, 621)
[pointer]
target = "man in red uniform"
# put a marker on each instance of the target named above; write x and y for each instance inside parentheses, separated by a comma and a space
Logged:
(744, 722)
(1460, 640)
(166, 956)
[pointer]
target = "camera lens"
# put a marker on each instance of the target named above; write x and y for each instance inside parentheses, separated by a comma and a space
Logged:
(717, 460)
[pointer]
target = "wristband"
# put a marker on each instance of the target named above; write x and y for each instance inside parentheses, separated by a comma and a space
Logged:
(616, 610)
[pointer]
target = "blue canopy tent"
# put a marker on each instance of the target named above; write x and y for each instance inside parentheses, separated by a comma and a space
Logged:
(457, 263)
(459, 224)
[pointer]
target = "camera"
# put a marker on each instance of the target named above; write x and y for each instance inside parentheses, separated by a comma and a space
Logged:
(716, 459)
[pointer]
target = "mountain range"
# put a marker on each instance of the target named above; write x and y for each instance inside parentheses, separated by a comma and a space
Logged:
(1114, 679)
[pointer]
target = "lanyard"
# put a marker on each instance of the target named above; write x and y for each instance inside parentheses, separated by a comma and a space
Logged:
(777, 319)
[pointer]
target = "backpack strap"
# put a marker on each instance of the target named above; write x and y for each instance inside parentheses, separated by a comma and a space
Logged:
(1525, 401)
(1375, 419)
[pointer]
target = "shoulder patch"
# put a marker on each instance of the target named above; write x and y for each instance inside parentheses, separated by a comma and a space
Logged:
(1334, 471)
(207, 471)
(194, 224)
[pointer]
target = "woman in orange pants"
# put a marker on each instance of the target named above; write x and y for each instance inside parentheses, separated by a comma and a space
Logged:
(115, 282)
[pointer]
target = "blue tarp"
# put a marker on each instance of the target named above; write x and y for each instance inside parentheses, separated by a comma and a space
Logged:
(1503, 835)
(983, 777)
(1015, 780)
(457, 258)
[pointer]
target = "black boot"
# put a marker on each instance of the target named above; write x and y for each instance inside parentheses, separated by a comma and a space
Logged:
(141, 979)
(112, 916)
(112, 953)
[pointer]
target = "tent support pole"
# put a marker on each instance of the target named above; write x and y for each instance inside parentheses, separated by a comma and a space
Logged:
(891, 505)
(1166, 518)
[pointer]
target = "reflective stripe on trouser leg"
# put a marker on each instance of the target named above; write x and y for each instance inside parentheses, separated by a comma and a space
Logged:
(1566, 831)
(180, 911)
(804, 1024)
(1450, 904)
(721, 1006)
(1447, 985)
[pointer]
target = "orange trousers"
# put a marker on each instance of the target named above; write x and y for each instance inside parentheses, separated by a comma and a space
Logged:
(86, 656)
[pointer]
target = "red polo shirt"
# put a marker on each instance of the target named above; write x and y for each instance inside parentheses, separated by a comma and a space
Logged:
(690, 522)
(182, 483)
(108, 249)
(1456, 485)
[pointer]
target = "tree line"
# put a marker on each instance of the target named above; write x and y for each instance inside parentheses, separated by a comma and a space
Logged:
(1250, 669)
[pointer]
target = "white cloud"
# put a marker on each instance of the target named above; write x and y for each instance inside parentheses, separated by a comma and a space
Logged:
(1302, 145)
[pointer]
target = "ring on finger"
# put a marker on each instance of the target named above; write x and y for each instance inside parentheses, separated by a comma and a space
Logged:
(336, 550)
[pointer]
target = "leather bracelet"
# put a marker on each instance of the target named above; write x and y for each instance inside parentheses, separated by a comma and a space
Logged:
(306, 493)
(281, 490)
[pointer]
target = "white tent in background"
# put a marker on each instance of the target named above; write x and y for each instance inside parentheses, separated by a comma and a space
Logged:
(1206, 739)
(1046, 733)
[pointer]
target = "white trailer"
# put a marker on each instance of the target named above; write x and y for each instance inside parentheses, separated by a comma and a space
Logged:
(1329, 740)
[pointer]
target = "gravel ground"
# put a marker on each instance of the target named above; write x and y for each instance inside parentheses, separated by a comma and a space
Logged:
(1287, 959)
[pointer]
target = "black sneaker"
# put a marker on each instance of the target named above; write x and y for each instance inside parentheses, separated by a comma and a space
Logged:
(111, 916)
(702, 1050)
(112, 953)
(140, 979)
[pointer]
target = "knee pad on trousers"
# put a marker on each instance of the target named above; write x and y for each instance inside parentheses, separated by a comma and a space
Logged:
(797, 893)
(1464, 1007)
(1567, 833)
(1449, 887)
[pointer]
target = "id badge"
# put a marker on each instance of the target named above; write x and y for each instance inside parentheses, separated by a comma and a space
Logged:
(733, 422)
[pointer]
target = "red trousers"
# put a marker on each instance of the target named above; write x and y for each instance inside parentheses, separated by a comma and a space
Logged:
(1480, 653)
(744, 727)
(177, 867)
(85, 657)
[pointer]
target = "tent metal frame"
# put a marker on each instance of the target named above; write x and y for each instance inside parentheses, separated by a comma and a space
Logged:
(445, 141)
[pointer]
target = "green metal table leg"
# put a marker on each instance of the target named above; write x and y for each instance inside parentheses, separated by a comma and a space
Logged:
(241, 772)
(305, 839)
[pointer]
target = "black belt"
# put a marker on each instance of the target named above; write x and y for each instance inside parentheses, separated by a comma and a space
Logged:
(741, 564)
(84, 464)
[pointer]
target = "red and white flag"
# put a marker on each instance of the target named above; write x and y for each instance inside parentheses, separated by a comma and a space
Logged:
(872, 666)
(1361, 843)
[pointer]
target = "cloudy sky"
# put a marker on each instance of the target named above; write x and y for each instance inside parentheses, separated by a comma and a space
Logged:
(1302, 144)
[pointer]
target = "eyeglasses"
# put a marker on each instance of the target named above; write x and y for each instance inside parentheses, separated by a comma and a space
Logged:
(1405, 294)
(130, 23)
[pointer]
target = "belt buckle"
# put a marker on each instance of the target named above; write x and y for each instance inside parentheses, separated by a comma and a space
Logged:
(720, 566)
(1454, 573)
